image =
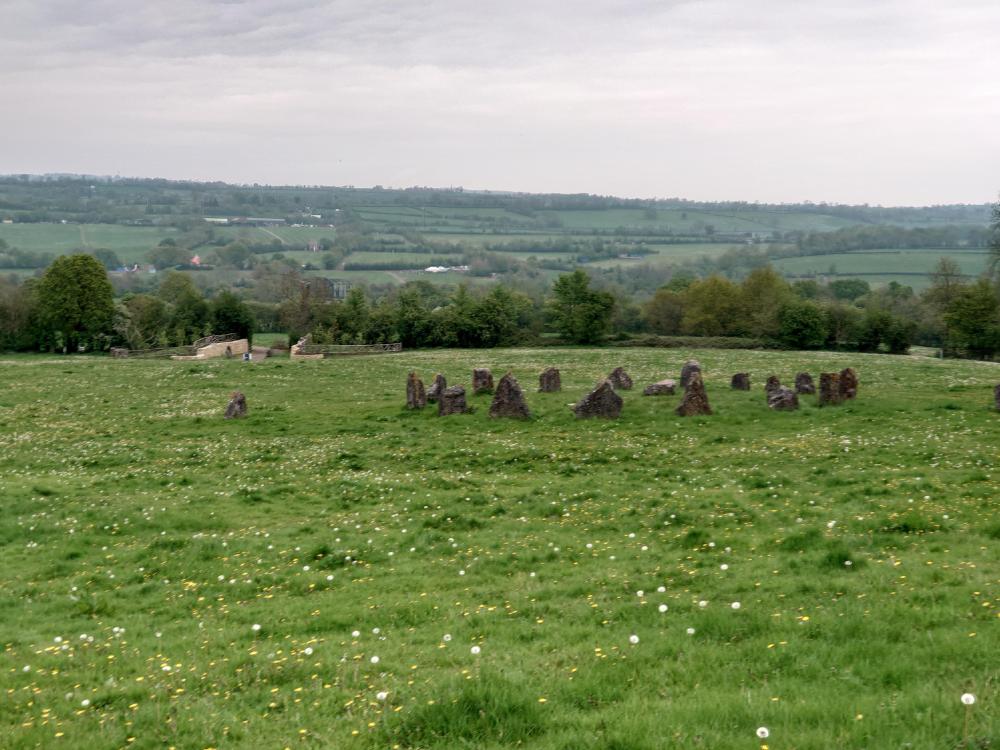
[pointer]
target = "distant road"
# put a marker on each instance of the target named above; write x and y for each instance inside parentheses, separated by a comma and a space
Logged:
(268, 231)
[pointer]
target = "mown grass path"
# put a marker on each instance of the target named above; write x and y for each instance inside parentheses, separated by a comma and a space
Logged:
(143, 539)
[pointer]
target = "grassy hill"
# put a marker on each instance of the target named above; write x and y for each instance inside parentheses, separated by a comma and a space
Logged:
(318, 574)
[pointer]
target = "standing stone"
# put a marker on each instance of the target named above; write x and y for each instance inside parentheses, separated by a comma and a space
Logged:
(771, 385)
(237, 407)
(690, 367)
(416, 398)
(550, 381)
(848, 383)
(482, 381)
(119, 352)
(509, 400)
(452, 401)
(783, 398)
(804, 384)
(437, 388)
(740, 381)
(829, 389)
(620, 380)
(695, 399)
(662, 388)
(996, 396)
(600, 402)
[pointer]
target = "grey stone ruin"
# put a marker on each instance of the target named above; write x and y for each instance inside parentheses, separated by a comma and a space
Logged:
(508, 401)
(783, 398)
(804, 384)
(452, 401)
(237, 407)
(550, 381)
(695, 399)
(771, 385)
(690, 367)
(829, 389)
(482, 381)
(620, 379)
(437, 388)
(740, 381)
(600, 402)
(661, 388)
(416, 397)
(848, 383)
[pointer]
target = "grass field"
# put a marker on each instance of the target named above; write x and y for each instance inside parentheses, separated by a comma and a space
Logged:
(132, 244)
(318, 574)
(911, 267)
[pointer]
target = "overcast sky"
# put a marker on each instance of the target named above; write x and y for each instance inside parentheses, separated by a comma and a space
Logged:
(855, 101)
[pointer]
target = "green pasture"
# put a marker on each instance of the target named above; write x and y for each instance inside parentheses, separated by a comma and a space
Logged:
(335, 571)
(130, 243)
(916, 265)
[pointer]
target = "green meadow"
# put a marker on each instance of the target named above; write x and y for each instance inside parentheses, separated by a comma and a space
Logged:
(335, 571)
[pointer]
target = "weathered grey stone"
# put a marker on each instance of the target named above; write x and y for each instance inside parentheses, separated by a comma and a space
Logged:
(804, 384)
(452, 401)
(661, 388)
(829, 389)
(783, 398)
(550, 381)
(119, 352)
(771, 385)
(436, 389)
(416, 397)
(508, 401)
(996, 396)
(620, 379)
(695, 399)
(740, 381)
(600, 402)
(848, 383)
(237, 407)
(690, 367)
(482, 381)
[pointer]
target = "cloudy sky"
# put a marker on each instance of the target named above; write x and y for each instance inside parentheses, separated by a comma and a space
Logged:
(856, 101)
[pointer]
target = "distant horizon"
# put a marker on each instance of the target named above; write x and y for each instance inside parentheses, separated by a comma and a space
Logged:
(480, 190)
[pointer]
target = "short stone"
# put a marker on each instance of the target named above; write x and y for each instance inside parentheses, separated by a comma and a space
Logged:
(416, 397)
(829, 389)
(482, 381)
(550, 381)
(695, 399)
(848, 383)
(690, 367)
(620, 379)
(452, 401)
(804, 384)
(508, 401)
(771, 385)
(436, 389)
(661, 388)
(237, 407)
(600, 402)
(740, 381)
(783, 398)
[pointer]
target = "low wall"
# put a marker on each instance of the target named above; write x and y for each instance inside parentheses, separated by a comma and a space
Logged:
(215, 351)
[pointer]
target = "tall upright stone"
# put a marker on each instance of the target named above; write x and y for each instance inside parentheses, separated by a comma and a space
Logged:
(508, 401)
(829, 389)
(783, 398)
(804, 384)
(771, 385)
(550, 381)
(848, 383)
(996, 396)
(740, 381)
(620, 379)
(482, 381)
(600, 402)
(690, 367)
(237, 407)
(437, 388)
(452, 401)
(416, 397)
(695, 399)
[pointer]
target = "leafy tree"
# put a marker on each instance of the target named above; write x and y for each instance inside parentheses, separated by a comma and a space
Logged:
(235, 255)
(108, 258)
(849, 289)
(230, 314)
(802, 325)
(167, 254)
(763, 294)
(995, 240)
(19, 315)
(712, 308)
(76, 301)
(580, 314)
(974, 320)
(355, 316)
(664, 312)
(142, 321)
